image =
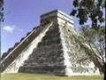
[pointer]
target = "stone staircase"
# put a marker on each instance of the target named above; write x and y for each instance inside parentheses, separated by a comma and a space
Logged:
(16, 50)
(48, 56)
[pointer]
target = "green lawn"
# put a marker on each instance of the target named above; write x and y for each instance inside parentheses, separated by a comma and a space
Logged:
(24, 76)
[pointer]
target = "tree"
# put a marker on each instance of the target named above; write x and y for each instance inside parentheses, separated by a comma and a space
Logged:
(85, 9)
(92, 36)
(1, 19)
(96, 39)
(90, 50)
(1, 10)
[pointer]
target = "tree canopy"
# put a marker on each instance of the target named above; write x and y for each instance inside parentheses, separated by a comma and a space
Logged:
(89, 9)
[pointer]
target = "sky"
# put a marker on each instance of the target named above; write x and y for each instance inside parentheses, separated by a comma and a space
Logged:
(21, 16)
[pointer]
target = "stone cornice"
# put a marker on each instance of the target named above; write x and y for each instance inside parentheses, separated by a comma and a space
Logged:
(57, 14)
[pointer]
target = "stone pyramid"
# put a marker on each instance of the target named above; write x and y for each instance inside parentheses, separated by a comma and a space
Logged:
(49, 49)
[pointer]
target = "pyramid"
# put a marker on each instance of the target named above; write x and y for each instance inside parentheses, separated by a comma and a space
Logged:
(49, 49)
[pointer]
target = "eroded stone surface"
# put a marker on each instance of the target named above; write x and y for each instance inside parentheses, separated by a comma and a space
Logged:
(76, 60)
(48, 56)
(51, 49)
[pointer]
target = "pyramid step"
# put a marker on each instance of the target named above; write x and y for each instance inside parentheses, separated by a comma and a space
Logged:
(49, 42)
(50, 56)
(56, 70)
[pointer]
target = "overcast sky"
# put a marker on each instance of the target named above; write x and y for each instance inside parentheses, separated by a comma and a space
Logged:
(20, 16)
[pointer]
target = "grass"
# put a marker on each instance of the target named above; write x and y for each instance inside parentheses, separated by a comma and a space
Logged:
(24, 76)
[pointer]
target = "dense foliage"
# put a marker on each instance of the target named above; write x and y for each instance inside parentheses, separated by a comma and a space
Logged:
(89, 9)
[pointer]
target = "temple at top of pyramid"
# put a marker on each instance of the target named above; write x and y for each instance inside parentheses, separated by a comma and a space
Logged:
(49, 48)
(57, 14)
